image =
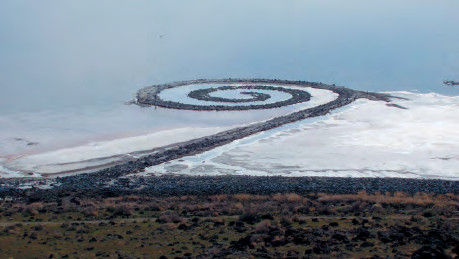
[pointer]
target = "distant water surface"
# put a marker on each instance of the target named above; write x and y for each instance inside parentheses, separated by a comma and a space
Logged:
(67, 67)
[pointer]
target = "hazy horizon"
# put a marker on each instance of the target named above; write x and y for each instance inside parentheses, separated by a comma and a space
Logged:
(61, 54)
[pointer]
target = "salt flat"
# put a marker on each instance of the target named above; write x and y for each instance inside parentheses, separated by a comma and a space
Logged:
(165, 127)
(364, 139)
(367, 138)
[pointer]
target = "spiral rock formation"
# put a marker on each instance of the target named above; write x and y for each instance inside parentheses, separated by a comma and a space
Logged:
(227, 94)
(233, 96)
(216, 95)
(108, 180)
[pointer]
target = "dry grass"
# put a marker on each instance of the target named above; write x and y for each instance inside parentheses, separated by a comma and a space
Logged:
(263, 226)
(170, 217)
(287, 197)
(419, 199)
(249, 197)
(276, 226)
(238, 204)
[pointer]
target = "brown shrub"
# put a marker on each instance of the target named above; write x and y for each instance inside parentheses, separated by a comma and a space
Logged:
(263, 226)
(133, 198)
(293, 197)
(299, 219)
(154, 207)
(237, 206)
(220, 197)
(249, 197)
(123, 210)
(286, 221)
(249, 216)
(242, 197)
(191, 207)
(91, 212)
(168, 217)
(325, 210)
(288, 197)
(398, 198)
(377, 208)
(29, 210)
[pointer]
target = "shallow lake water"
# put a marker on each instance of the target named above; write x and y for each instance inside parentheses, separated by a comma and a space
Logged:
(68, 67)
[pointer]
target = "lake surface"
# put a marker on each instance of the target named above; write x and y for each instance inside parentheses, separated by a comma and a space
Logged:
(67, 67)
(59, 54)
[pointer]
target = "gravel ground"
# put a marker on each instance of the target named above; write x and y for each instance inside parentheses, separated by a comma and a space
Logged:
(172, 185)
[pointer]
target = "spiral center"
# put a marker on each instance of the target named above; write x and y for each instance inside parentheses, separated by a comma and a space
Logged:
(226, 96)
(208, 94)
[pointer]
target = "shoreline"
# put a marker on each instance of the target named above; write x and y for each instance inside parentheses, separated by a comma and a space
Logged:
(113, 180)
(177, 185)
(199, 145)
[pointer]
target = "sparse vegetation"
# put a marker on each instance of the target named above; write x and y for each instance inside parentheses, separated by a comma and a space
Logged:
(234, 226)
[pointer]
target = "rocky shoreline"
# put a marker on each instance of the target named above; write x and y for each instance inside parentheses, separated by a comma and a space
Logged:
(177, 185)
(112, 180)
(147, 95)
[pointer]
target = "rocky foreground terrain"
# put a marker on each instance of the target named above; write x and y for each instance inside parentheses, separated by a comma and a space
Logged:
(93, 186)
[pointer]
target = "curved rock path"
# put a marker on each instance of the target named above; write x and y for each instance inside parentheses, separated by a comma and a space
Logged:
(112, 180)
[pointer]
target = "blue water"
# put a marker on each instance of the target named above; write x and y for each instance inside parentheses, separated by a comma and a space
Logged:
(59, 54)
(67, 67)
